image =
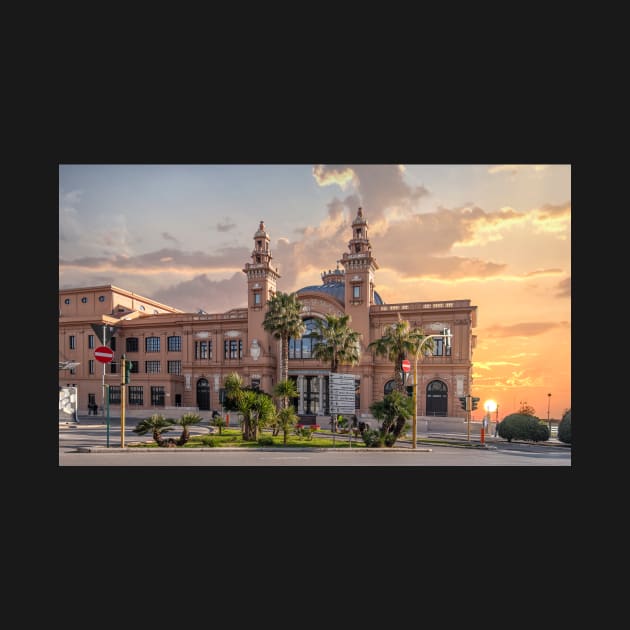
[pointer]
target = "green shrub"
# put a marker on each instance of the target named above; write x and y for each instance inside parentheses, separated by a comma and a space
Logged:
(390, 439)
(208, 440)
(540, 432)
(265, 441)
(518, 426)
(372, 438)
(564, 428)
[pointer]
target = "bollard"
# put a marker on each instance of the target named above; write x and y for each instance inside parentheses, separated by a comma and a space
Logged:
(482, 434)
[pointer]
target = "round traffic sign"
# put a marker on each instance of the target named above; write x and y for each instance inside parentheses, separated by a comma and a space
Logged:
(406, 365)
(103, 354)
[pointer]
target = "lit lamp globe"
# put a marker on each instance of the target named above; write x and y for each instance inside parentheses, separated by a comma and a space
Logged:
(490, 406)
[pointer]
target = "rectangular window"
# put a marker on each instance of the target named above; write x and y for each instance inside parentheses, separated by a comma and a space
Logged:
(174, 344)
(90, 341)
(114, 394)
(233, 349)
(152, 344)
(135, 366)
(132, 344)
(152, 367)
(112, 343)
(256, 384)
(257, 298)
(73, 371)
(356, 291)
(113, 367)
(440, 349)
(73, 342)
(203, 349)
(91, 366)
(136, 395)
(174, 367)
(157, 396)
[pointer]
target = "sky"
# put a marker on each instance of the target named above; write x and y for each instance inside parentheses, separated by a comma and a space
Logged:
(497, 234)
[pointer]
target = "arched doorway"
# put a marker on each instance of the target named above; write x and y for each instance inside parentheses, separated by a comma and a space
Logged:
(437, 399)
(203, 394)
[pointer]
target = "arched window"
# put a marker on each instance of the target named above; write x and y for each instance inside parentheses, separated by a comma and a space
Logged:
(389, 387)
(437, 399)
(303, 348)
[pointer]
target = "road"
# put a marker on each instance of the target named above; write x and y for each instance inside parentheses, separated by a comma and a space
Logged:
(504, 454)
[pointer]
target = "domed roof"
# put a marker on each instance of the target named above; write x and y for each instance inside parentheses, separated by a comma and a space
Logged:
(336, 290)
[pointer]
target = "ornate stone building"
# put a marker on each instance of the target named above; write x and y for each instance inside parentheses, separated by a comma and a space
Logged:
(181, 359)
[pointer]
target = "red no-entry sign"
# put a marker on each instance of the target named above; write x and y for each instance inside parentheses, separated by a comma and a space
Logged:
(103, 354)
(406, 365)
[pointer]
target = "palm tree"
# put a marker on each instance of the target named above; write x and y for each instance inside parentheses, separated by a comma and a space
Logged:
(185, 421)
(286, 419)
(156, 424)
(394, 410)
(283, 320)
(256, 407)
(398, 341)
(339, 344)
(285, 390)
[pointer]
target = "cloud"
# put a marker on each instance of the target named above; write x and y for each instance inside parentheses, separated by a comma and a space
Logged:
(332, 174)
(163, 260)
(543, 272)
(73, 197)
(69, 226)
(380, 188)
(487, 365)
(525, 329)
(169, 237)
(202, 293)
(564, 288)
(226, 226)
(513, 169)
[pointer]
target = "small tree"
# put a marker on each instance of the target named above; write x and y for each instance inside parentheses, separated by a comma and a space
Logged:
(156, 425)
(564, 428)
(526, 410)
(185, 421)
(394, 410)
(519, 426)
(286, 419)
(218, 421)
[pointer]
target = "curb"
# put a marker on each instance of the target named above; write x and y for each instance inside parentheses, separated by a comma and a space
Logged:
(218, 449)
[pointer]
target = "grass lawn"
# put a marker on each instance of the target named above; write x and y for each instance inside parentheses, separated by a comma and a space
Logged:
(234, 437)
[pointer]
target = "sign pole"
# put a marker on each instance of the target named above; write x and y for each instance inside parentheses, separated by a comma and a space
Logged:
(122, 401)
(468, 408)
(107, 400)
(103, 390)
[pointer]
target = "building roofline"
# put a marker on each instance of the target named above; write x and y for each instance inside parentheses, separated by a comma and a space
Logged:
(125, 292)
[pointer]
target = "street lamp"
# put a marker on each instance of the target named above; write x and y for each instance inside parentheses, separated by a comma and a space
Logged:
(489, 406)
(548, 406)
(445, 335)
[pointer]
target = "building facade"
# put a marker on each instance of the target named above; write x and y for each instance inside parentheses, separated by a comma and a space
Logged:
(182, 359)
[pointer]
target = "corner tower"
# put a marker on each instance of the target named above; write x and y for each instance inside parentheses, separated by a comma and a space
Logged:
(359, 266)
(261, 285)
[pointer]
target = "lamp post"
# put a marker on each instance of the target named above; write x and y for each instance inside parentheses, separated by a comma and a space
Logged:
(548, 406)
(489, 406)
(445, 335)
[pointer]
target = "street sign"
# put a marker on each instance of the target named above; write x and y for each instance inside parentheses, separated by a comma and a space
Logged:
(103, 354)
(109, 331)
(406, 365)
